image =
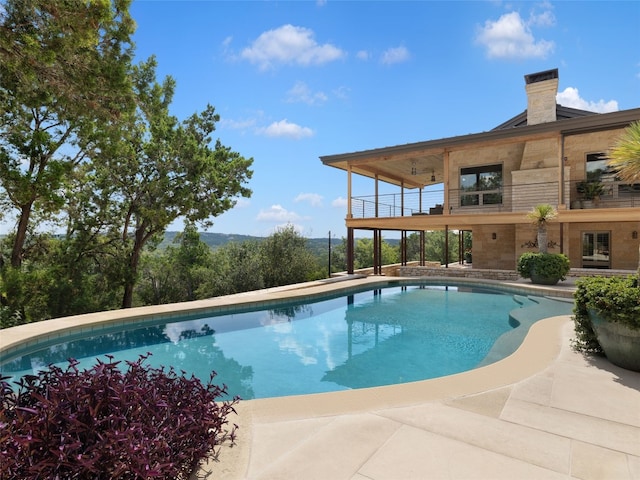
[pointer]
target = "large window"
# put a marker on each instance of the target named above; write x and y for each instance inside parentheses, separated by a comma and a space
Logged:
(598, 171)
(481, 185)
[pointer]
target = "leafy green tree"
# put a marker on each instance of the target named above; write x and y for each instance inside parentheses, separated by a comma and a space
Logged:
(434, 248)
(413, 247)
(285, 258)
(159, 282)
(237, 267)
(162, 169)
(339, 256)
(63, 73)
(193, 259)
(363, 253)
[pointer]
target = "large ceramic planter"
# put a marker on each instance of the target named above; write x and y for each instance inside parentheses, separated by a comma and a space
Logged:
(540, 280)
(621, 344)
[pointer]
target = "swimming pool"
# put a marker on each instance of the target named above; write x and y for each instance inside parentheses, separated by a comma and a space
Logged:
(382, 336)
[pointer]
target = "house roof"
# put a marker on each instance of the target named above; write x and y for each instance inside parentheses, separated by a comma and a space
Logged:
(396, 164)
(562, 113)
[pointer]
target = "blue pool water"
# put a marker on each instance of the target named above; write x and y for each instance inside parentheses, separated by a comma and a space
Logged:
(378, 337)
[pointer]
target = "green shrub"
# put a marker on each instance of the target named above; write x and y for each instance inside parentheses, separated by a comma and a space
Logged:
(545, 265)
(615, 298)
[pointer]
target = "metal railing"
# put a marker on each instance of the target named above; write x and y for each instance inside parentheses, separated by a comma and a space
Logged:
(393, 204)
(509, 198)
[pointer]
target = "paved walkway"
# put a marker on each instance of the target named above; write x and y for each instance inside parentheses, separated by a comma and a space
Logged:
(546, 412)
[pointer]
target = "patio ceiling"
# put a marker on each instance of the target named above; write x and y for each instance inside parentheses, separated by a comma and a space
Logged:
(412, 168)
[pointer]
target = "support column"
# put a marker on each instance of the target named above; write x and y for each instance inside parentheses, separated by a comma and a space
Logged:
(376, 253)
(403, 248)
(446, 246)
(350, 250)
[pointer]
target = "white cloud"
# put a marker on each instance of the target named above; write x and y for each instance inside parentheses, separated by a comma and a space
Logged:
(277, 213)
(339, 202)
(284, 128)
(300, 92)
(395, 55)
(570, 97)
(289, 45)
(237, 124)
(313, 198)
(362, 55)
(511, 37)
(341, 92)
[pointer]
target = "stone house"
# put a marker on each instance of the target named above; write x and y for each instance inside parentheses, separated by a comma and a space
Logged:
(486, 182)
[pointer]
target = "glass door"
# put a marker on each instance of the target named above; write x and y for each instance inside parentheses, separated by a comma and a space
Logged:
(595, 250)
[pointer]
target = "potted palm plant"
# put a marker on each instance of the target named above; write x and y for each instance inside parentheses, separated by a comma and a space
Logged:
(590, 192)
(543, 268)
(607, 310)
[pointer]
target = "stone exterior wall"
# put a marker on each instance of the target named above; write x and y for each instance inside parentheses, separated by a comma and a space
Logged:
(493, 253)
(417, 271)
(504, 275)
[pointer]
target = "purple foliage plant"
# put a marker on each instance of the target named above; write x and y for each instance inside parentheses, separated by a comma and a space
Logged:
(103, 423)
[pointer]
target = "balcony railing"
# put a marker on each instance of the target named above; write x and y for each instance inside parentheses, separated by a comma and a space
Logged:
(509, 198)
(393, 205)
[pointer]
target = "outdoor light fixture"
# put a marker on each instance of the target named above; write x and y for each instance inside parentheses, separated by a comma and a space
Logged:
(494, 235)
(433, 175)
(634, 234)
(414, 170)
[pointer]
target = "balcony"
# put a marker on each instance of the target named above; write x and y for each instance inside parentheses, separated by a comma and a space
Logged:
(519, 198)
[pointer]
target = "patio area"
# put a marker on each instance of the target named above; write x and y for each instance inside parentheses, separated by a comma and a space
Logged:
(546, 412)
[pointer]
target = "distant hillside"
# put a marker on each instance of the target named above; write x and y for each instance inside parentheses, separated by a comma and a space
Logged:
(215, 240)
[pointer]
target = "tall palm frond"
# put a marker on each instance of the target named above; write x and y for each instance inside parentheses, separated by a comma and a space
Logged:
(624, 157)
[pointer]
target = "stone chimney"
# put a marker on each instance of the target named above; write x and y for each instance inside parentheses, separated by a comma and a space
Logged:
(542, 88)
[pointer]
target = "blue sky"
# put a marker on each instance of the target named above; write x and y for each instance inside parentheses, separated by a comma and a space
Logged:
(296, 80)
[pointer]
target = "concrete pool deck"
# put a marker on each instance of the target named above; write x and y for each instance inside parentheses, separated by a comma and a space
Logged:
(544, 412)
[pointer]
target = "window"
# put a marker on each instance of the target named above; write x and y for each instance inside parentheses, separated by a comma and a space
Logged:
(481, 185)
(595, 250)
(596, 166)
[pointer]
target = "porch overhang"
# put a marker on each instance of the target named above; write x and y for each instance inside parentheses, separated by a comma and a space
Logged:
(414, 165)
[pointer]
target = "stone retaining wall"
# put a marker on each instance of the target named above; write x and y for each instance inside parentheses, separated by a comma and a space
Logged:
(489, 274)
(419, 271)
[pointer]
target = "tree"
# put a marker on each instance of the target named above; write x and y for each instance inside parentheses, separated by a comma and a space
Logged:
(63, 73)
(540, 215)
(413, 247)
(363, 253)
(192, 261)
(285, 258)
(434, 247)
(237, 267)
(158, 169)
